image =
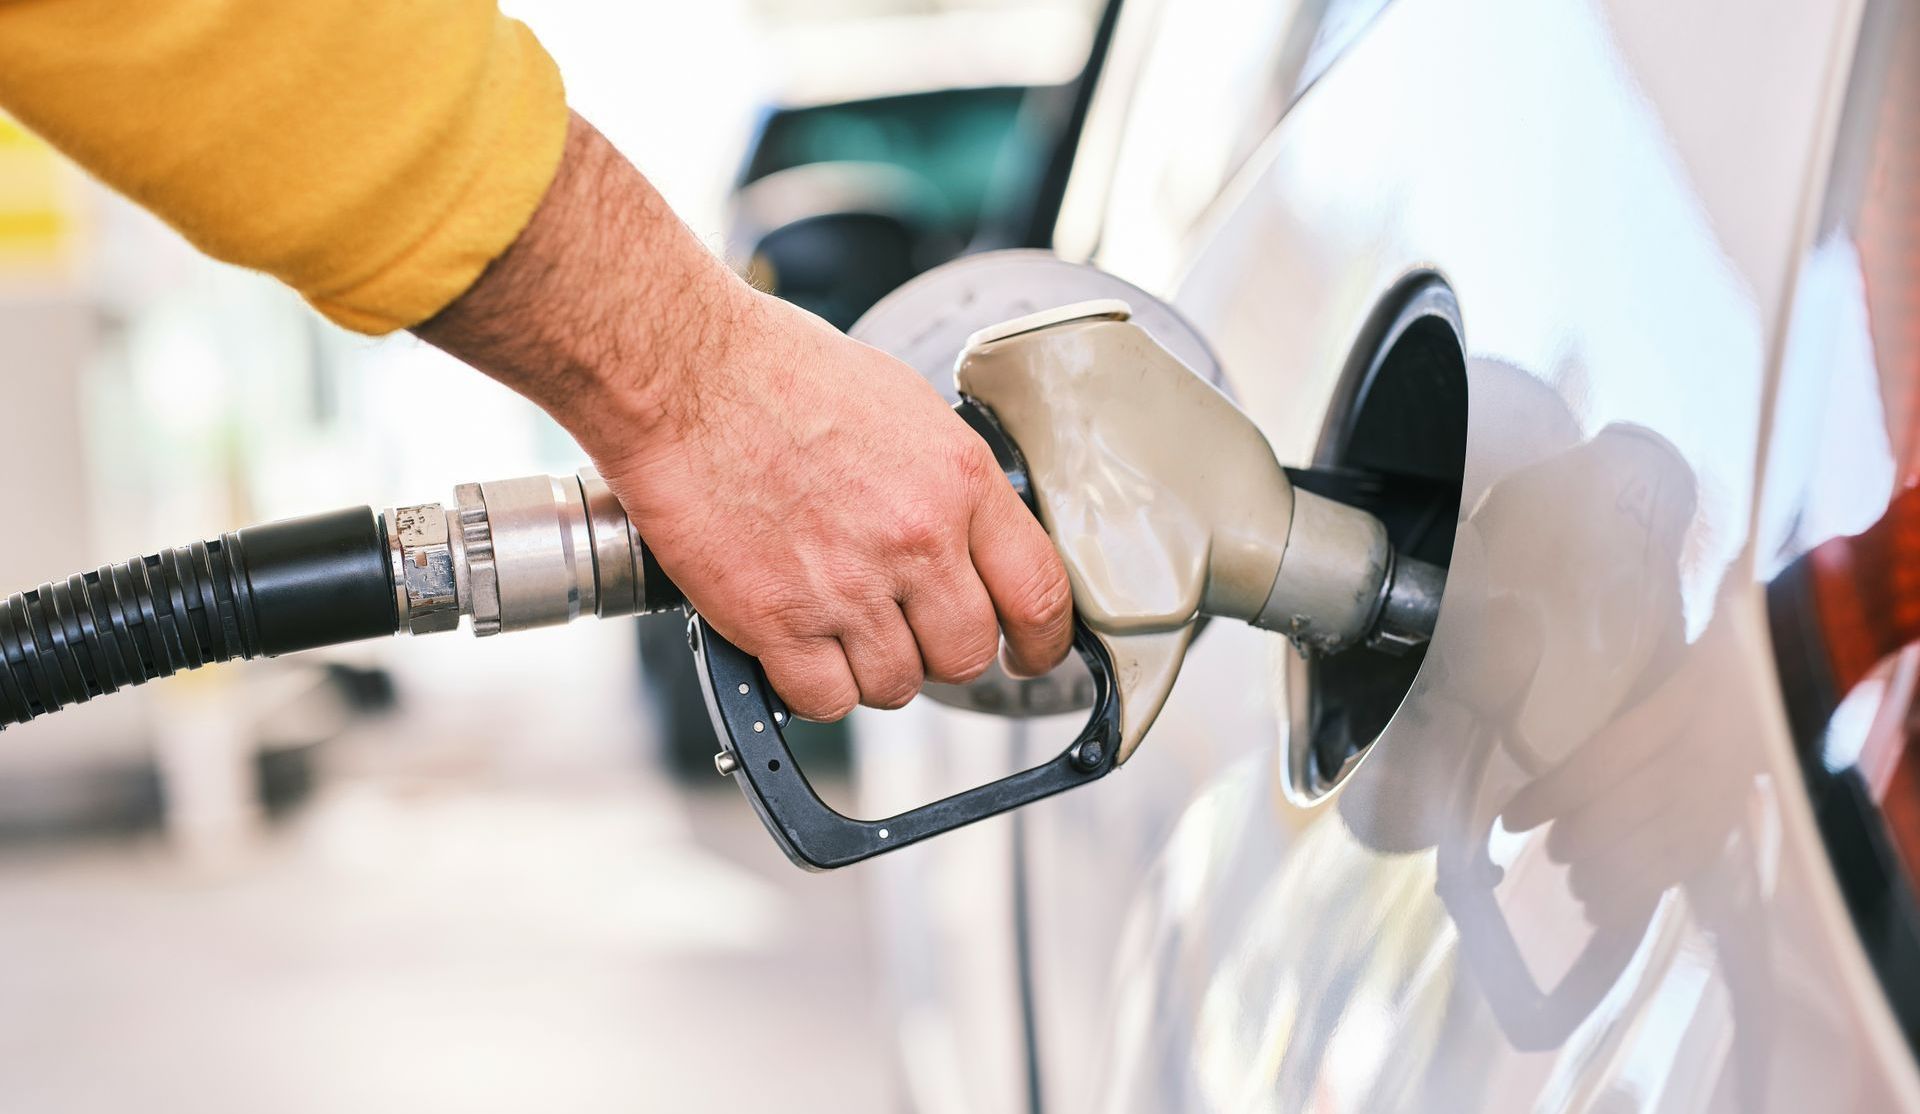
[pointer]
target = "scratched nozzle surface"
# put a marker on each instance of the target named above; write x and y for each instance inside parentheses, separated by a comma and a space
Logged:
(1411, 608)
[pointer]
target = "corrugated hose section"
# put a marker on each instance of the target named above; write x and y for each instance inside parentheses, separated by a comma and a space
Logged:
(123, 625)
(297, 584)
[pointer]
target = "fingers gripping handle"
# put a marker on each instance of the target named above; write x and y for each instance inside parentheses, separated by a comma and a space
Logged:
(748, 719)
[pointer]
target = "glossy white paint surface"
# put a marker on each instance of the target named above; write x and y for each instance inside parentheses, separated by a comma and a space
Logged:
(1577, 872)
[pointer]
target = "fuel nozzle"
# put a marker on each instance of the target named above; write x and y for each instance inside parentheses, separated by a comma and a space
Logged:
(1168, 505)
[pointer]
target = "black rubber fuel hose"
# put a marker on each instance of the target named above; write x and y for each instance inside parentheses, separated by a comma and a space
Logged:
(266, 590)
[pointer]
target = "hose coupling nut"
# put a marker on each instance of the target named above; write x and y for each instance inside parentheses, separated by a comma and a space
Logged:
(533, 551)
(426, 590)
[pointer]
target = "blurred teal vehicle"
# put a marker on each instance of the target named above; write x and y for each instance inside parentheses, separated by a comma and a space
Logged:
(839, 204)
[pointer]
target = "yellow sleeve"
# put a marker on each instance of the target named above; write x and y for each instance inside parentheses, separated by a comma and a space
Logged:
(375, 155)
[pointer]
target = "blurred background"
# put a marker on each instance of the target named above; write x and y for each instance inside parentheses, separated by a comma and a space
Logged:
(449, 874)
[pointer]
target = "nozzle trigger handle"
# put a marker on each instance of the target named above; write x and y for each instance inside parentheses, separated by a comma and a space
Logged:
(748, 717)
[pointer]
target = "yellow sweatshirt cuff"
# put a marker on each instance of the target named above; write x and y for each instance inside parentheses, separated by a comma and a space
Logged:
(512, 162)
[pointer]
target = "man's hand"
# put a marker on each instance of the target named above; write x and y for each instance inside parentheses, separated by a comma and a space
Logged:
(824, 507)
(813, 497)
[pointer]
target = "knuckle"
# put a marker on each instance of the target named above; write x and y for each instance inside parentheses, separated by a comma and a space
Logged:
(897, 684)
(822, 705)
(1044, 603)
(973, 462)
(972, 653)
(973, 663)
(811, 686)
(919, 531)
(791, 613)
(891, 699)
(836, 709)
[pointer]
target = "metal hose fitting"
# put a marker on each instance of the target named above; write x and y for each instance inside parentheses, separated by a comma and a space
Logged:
(514, 554)
(535, 551)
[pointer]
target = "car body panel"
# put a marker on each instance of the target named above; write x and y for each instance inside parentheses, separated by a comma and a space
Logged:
(1577, 871)
(1669, 937)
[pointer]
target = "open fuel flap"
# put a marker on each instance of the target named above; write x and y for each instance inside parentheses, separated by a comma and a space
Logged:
(1394, 444)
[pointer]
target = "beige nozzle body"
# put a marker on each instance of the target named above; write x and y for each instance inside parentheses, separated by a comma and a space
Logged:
(1165, 500)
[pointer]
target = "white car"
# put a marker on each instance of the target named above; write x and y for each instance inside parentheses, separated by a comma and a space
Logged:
(1615, 306)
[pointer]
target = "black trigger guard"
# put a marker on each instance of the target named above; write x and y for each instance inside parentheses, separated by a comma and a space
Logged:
(748, 717)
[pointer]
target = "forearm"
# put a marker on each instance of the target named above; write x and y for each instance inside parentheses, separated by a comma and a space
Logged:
(604, 309)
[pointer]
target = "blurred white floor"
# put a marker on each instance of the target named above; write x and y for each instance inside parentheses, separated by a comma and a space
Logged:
(491, 905)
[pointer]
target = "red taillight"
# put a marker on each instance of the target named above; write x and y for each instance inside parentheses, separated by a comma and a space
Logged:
(1866, 592)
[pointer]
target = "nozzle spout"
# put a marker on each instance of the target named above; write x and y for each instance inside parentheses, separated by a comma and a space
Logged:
(1412, 605)
(1167, 504)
